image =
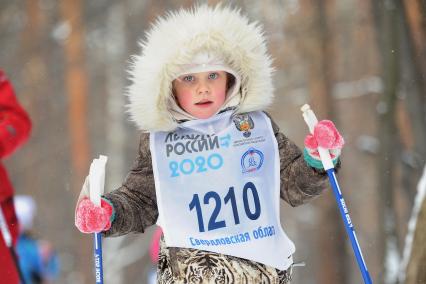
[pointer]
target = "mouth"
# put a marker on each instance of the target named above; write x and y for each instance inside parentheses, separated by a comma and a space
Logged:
(204, 103)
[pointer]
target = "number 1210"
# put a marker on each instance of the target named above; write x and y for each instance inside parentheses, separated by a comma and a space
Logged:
(229, 198)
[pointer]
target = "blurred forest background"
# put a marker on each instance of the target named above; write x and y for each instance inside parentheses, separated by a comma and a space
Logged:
(361, 64)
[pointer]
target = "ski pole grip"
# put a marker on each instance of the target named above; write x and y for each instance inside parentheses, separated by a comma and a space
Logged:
(311, 120)
(97, 179)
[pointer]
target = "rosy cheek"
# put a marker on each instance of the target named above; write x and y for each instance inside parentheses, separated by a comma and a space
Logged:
(187, 94)
(184, 98)
(222, 96)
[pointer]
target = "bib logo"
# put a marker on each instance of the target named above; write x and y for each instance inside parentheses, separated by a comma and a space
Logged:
(251, 161)
(243, 122)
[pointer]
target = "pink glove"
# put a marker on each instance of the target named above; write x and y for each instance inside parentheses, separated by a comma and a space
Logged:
(90, 218)
(325, 135)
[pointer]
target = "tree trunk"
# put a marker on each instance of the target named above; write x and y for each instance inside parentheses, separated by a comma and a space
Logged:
(76, 89)
(114, 55)
(413, 87)
(319, 47)
(388, 29)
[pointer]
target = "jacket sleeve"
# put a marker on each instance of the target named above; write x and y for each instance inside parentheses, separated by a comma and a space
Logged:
(299, 182)
(135, 202)
(15, 125)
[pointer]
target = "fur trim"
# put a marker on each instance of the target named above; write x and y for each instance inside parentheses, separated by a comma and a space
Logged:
(174, 39)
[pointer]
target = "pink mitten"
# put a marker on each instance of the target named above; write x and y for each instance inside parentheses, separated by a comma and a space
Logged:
(325, 135)
(90, 218)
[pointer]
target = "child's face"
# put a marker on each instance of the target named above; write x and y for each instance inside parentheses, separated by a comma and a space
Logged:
(201, 94)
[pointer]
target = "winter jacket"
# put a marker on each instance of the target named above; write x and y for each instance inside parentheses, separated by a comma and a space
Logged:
(15, 127)
(136, 209)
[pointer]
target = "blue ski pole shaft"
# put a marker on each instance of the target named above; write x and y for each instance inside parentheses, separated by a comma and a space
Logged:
(99, 273)
(350, 230)
(312, 120)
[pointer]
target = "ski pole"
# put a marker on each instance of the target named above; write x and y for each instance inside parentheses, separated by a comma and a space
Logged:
(8, 240)
(311, 120)
(96, 183)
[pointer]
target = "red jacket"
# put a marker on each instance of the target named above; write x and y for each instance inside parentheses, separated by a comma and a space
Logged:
(15, 127)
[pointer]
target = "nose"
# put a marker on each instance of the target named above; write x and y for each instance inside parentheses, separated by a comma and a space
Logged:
(203, 88)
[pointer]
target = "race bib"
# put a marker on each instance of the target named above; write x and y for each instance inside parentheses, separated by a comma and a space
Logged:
(217, 182)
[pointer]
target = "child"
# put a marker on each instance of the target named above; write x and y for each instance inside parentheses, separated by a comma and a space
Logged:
(211, 165)
(38, 261)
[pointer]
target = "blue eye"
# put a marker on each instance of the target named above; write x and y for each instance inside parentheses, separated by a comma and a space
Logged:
(213, 76)
(188, 78)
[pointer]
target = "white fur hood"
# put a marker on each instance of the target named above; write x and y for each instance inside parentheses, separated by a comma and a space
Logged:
(174, 39)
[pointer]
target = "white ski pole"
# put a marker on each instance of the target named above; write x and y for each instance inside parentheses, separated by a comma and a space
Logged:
(311, 120)
(97, 183)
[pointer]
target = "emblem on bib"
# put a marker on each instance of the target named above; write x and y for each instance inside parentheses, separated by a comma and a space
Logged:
(243, 122)
(252, 160)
